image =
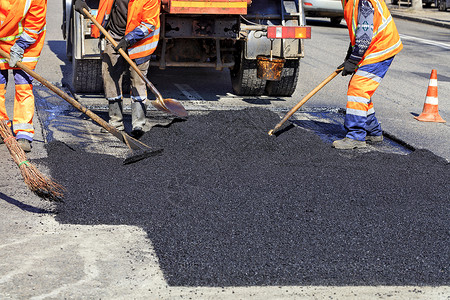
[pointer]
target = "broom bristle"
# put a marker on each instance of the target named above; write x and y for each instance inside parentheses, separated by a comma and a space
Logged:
(37, 182)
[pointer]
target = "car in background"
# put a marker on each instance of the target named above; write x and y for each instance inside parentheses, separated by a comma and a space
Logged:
(443, 4)
(324, 8)
(426, 3)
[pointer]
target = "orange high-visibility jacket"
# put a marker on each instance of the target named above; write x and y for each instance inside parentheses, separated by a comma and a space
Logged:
(140, 12)
(385, 41)
(22, 17)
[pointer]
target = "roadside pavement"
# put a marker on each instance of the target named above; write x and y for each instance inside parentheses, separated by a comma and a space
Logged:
(429, 15)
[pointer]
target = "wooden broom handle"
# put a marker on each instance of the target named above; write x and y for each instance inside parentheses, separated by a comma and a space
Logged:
(303, 101)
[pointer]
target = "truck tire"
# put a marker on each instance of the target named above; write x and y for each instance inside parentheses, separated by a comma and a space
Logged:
(244, 79)
(69, 42)
(288, 82)
(87, 75)
(442, 5)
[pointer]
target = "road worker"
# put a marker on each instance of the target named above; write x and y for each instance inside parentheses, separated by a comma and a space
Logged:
(22, 33)
(135, 26)
(374, 41)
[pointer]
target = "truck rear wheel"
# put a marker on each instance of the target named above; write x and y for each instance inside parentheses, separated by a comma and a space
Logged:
(288, 82)
(244, 79)
(87, 75)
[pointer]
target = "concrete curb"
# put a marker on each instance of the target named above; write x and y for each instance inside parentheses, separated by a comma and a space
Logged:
(419, 19)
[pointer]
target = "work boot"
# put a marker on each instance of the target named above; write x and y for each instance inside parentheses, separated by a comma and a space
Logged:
(115, 114)
(374, 138)
(24, 144)
(138, 111)
(348, 143)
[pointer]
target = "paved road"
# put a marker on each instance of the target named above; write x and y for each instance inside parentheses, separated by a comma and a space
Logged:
(44, 259)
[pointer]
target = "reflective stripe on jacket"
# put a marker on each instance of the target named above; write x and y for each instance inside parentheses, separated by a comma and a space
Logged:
(141, 13)
(24, 18)
(385, 42)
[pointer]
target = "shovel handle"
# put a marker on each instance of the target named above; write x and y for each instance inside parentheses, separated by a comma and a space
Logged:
(125, 55)
(303, 101)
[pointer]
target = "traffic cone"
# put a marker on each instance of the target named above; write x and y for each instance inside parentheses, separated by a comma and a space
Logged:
(430, 107)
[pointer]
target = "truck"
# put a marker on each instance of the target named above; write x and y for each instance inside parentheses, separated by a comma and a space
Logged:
(242, 36)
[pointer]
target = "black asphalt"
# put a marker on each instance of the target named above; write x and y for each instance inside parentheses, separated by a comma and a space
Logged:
(227, 204)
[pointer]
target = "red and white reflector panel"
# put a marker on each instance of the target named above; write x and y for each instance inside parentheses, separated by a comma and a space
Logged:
(288, 32)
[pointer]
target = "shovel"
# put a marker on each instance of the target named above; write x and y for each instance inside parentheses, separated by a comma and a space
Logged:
(171, 106)
(303, 101)
(138, 150)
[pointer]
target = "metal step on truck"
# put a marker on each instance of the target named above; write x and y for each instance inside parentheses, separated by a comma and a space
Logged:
(259, 41)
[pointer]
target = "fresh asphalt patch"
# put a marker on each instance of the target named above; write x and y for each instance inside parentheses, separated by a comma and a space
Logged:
(225, 204)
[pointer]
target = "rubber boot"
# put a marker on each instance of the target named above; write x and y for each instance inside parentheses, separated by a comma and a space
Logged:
(374, 139)
(138, 112)
(115, 114)
(24, 144)
(348, 143)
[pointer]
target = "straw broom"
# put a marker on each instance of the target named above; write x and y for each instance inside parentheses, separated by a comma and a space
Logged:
(37, 182)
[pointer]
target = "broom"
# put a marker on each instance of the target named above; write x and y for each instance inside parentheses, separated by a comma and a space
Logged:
(37, 182)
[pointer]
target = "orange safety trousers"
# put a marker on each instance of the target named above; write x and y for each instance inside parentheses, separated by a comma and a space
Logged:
(23, 111)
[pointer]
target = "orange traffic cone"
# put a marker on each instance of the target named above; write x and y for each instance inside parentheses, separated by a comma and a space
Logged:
(430, 108)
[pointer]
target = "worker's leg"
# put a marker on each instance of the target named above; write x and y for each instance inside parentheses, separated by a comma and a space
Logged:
(360, 115)
(113, 67)
(23, 106)
(138, 98)
(3, 82)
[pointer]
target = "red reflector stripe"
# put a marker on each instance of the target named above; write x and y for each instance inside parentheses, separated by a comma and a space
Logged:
(307, 4)
(289, 32)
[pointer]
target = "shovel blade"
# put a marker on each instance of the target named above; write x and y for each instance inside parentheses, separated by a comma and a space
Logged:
(175, 108)
(170, 106)
(138, 150)
(137, 155)
(160, 106)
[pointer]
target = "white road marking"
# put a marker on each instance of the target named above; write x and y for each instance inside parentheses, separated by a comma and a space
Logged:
(424, 41)
(189, 92)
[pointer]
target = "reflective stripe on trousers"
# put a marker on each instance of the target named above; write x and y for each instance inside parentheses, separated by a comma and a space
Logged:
(360, 117)
(23, 103)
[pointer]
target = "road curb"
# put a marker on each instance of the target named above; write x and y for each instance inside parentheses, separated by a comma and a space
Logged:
(419, 19)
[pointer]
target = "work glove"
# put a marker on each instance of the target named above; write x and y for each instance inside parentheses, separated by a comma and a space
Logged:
(349, 67)
(349, 51)
(123, 44)
(79, 5)
(15, 55)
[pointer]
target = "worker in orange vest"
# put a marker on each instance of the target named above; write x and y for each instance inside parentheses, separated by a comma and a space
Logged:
(22, 33)
(374, 41)
(135, 25)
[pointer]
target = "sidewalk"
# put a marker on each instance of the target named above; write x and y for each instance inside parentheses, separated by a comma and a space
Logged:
(430, 15)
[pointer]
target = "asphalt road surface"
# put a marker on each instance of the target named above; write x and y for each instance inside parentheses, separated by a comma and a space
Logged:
(227, 205)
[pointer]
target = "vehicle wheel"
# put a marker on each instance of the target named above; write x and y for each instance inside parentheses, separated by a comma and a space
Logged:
(395, 2)
(288, 82)
(87, 75)
(335, 20)
(442, 5)
(244, 79)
